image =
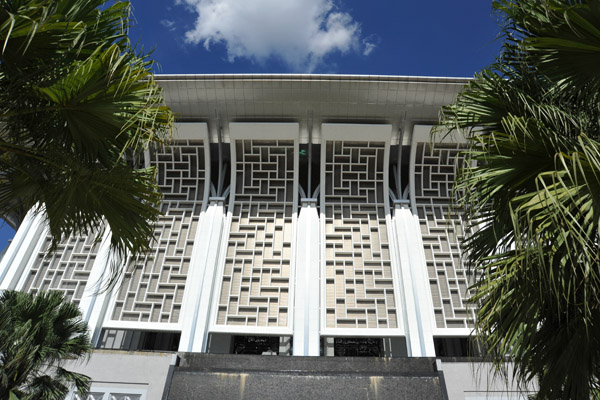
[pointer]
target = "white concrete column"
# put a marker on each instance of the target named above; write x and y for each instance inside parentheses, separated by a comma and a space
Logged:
(21, 249)
(95, 299)
(418, 306)
(404, 294)
(201, 279)
(306, 300)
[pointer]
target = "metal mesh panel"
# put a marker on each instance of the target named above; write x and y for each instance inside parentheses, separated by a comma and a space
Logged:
(442, 231)
(256, 277)
(358, 273)
(152, 290)
(67, 269)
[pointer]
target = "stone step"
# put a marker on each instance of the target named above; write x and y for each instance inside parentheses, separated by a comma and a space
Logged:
(408, 366)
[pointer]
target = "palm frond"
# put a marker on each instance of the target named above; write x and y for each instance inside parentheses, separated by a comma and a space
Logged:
(530, 189)
(75, 101)
(37, 334)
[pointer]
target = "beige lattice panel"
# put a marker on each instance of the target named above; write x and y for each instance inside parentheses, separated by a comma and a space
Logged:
(256, 276)
(107, 396)
(90, 396)
(358, 273)
(67, 269)
(152, 290)
(442, 231)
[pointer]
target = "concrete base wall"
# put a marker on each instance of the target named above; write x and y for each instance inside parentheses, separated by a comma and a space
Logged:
(213, 376)
(155, 375)
(267, 386)
(144, 374)
(476, 381)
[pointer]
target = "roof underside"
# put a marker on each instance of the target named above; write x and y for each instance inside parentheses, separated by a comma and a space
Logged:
(328, 98)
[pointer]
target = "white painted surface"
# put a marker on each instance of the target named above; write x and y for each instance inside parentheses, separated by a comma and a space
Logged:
(264, 130)
(356, 132)
(306, 301)
(476, 381)
(190, 130)
(94, 301)
(126, 372)
(21, 249)
(414, 282)
(198, 295)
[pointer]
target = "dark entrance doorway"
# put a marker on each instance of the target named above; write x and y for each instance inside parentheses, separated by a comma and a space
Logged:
(357, 347)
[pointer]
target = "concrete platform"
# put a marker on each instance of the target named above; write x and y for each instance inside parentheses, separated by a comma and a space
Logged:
(225, 376)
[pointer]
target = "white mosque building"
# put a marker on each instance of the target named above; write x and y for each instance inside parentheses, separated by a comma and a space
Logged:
(303, 215)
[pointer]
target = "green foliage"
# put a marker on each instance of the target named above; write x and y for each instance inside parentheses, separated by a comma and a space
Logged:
(76, 102)
(530, 188)
(37, 334)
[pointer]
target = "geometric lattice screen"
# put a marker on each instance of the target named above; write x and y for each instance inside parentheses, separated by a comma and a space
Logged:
(107, 396)
(67, 269)
(442, 231)
(358, 273)
(256, 276)
(152, 290)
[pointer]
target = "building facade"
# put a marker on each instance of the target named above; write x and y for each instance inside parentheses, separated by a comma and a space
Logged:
(304, 215)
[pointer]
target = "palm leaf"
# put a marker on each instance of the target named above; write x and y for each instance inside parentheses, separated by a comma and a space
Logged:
(530, 190)
(76, 101)
(37, 334)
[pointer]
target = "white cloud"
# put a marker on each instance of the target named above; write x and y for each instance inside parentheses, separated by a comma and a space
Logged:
(369, 47)
(167, 23)
(370, 43)
(299, 32)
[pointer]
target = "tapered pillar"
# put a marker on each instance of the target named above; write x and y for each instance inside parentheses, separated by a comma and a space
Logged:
(198, 295)
(20, 250)
(418, 307)
(94, 300)
(306, 316)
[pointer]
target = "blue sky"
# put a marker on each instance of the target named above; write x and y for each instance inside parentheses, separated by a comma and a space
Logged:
(428, 37)
(433, 38)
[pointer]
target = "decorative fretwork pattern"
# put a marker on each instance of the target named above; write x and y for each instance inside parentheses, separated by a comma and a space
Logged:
(442, 231)
(66, 269)
(107, 396)
(358, 273)
(256, 276)
(90, 396)
(152, 288)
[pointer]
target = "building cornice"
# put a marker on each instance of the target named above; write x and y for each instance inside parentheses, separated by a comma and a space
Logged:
(314, 77)
(291, 97)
